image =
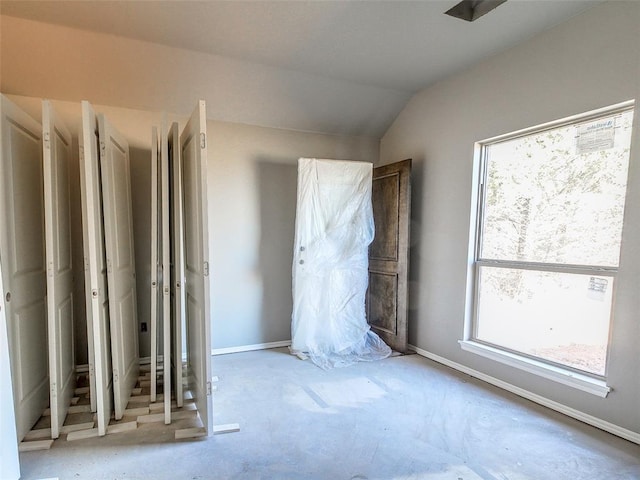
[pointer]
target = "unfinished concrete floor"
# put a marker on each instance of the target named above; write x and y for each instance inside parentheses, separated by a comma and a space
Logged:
(401, 418)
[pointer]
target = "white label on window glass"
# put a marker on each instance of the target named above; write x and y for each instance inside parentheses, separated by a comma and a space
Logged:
(595, 136)
(597, 288)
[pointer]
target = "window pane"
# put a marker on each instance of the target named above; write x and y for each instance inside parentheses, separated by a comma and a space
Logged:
(555, 316)
(557, 196)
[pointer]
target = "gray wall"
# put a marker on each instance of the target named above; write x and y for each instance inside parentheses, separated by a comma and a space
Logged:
(252, 197)
(589, 62)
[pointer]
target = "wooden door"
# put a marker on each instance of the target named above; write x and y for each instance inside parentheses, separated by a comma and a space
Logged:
(23, 261)
(96, 294)
(193, 149)
(155, 262)
(166, 269)
(121, 281)
(57, 211)
(176, 260)
(387, 296)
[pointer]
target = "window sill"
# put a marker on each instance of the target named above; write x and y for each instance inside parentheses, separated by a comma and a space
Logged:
(565, 377)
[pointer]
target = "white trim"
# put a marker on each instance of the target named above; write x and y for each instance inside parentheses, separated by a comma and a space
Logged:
(571, 120)
(558, 407)
(557, 374)
(250, 348)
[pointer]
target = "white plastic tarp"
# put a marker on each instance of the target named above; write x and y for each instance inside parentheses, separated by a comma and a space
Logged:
(334, 227)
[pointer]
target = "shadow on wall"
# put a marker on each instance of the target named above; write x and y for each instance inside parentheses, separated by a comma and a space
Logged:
(418, 168)
(141, 204)
(277, 184)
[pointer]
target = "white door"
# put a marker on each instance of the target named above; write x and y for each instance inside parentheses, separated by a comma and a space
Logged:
(155, 262)
(8, 443)
(193, 146)
(166, 269)
(57, 210)
(177, 258)
(23, 263)
(91, 353)
(97, 299)
(118, 233)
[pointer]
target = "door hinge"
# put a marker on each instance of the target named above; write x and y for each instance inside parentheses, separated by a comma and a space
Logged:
(103, 148)
(208, 389)
(109, 266)
(47, 140)
(205, 268)
(203, 140)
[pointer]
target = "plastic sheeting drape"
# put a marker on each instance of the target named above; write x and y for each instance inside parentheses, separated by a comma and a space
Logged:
(334, 227)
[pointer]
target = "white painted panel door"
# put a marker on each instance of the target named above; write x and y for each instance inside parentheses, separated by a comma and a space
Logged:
(118, 230)
(8, 443)
(166, 271)
(91, 353)
(155, 262)
(193, 147)
(177, 258)
(56, 153)
(97, 299)
(23, 261)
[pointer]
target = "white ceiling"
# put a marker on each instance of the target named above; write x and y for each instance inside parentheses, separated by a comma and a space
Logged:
(398, 46)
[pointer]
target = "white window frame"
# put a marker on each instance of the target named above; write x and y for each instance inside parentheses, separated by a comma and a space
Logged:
(587, 382)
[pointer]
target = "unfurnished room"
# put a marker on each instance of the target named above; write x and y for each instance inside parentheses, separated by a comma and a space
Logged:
(305, 239)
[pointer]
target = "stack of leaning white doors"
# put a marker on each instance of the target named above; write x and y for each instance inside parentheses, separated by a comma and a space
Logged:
(110, 283)
(179, 266)
(179, 270)
(36, 261)
(37, 272)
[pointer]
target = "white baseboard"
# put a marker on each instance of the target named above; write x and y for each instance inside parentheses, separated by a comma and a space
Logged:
(250, 348)
(558, 407)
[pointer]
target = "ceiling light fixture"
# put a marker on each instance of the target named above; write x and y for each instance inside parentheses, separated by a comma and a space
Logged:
(471, 10)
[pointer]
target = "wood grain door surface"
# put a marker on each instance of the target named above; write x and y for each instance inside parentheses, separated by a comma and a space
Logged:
(387, 296)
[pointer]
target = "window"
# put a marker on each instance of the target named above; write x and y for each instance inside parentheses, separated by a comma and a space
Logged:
(547, 239)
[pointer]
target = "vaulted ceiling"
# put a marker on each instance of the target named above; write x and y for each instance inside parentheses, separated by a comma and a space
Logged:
(383, 50)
